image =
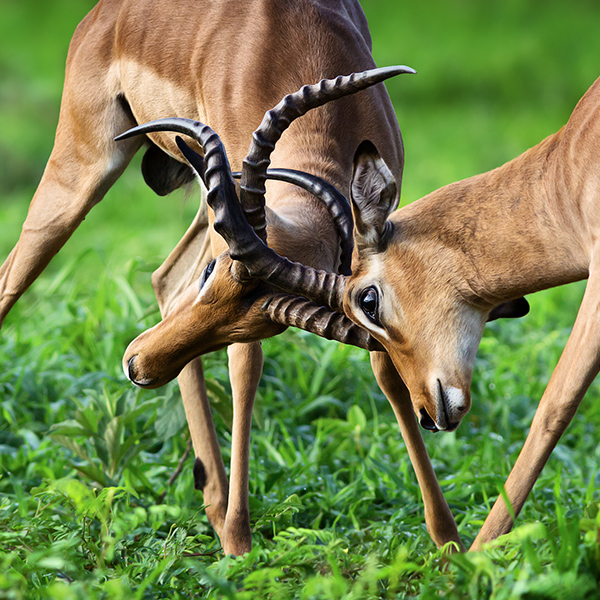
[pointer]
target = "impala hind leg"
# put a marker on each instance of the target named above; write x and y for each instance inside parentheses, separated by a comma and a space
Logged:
(245, 370)
(575, 371)
(84, 164)
(438, 518)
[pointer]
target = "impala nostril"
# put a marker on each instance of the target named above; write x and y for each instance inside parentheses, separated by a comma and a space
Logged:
(130, 373)
(426, 421)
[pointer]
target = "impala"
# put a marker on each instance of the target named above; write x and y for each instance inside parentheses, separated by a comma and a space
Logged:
(131, 61)
(427, 277)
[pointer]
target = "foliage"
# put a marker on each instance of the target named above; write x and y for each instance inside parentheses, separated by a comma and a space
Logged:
(86, 509)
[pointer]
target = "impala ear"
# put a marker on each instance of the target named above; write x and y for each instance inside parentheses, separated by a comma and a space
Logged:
(374, 195)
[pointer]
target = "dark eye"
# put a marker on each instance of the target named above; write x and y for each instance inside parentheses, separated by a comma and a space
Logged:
(369, 302)
(207, 271)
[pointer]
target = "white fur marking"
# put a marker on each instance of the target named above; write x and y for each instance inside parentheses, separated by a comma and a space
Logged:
(455, 400)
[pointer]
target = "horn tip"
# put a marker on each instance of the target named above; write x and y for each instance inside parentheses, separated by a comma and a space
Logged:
(127, 134)
(402, 69)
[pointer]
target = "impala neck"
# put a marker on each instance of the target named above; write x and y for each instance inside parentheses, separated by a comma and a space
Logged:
(509, 232)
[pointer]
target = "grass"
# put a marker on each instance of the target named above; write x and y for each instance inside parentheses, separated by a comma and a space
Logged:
(86, 510)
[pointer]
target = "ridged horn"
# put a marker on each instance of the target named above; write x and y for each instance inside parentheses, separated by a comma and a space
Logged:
(286, 309)
(278, 119)
(336, 203)
(213, 168)
(256, 259)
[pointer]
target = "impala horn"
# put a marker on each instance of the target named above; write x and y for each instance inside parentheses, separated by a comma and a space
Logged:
(281, 308)
(304, 314)
(278, 119)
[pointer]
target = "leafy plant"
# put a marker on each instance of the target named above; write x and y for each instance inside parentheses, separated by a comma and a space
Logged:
(105, 435)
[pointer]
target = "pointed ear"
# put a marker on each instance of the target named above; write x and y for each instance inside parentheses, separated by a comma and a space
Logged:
(374, 195)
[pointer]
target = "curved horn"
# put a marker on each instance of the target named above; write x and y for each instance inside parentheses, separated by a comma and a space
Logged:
(298, 312)
(255, 256)
(336, 203)
(278, 119)
(261, 261)
(214, 169)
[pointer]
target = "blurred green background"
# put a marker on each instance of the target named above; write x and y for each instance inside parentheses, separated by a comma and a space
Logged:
(494, 78)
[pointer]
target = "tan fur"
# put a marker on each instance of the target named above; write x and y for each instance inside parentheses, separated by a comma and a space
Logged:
(457, 253)
(224, 63)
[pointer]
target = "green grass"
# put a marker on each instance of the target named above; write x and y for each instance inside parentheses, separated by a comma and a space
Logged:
(336, 509)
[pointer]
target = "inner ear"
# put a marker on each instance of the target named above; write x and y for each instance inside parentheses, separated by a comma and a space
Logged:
(374, 194)
(513, 309)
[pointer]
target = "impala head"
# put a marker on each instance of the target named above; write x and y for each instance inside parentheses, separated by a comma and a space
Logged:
(216, 310)
(404, 292)
(225, 305)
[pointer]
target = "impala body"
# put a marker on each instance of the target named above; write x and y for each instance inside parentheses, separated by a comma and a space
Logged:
(223, 63)
(441, 264)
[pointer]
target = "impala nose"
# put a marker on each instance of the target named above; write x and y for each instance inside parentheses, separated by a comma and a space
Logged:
(452, 405)
(426, 421)
(131, 374)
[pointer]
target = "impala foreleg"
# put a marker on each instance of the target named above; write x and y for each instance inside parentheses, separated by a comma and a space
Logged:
(209, 471)
(245, 369)
(439, 519)
(575, 371)
(182, 266)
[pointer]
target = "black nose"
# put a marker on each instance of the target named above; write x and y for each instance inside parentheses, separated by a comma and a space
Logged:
(130, 369)
(426, 421)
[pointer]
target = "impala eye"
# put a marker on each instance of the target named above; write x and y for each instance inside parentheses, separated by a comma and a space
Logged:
(207, 271)
(369, 303)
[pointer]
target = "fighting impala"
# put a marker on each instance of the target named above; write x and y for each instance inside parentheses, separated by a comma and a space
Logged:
(426, 278)
(133, 61)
